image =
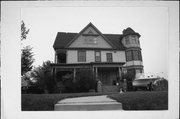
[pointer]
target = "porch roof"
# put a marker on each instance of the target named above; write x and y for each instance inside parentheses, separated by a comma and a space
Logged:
(86, 65)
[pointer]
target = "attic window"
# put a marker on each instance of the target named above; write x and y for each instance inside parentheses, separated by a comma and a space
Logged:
(90, 40)
(90, 32)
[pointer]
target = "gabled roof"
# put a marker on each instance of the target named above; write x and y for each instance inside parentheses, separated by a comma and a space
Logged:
(89, 25)
(63, 39)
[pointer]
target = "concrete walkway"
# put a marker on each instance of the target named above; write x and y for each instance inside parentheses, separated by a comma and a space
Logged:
(88, 103)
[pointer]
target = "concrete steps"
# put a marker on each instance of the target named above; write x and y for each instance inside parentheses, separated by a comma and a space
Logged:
(90, 103)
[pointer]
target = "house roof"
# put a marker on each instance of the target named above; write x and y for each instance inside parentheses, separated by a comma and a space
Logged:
(89, 25)
(130, 31)
(63, 38)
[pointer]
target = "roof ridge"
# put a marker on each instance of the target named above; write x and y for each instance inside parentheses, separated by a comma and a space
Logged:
(66, 32)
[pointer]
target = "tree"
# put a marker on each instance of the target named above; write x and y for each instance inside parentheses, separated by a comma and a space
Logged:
(44, 78)
(24, 31)
(26, 59)
(26, 52)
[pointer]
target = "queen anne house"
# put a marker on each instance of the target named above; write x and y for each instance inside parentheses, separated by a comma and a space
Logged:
(108, 55)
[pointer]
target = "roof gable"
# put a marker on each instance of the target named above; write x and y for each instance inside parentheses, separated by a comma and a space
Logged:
(91, 31)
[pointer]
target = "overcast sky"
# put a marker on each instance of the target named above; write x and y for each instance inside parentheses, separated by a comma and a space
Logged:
(150, 22)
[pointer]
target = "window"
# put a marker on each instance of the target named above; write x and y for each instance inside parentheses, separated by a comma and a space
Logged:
(133, 39)
(81, 56)
(140, 56)
(97, 56)
(135, 55)
(109, 57)
(128, 55)
(127, 40)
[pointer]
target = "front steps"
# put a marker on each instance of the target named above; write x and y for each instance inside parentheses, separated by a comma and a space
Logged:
(90, 103)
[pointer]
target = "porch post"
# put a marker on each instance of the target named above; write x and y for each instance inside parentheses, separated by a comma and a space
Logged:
(119, 70)
(55, 59)
(74, 75)
(96, 70)
(54, 75)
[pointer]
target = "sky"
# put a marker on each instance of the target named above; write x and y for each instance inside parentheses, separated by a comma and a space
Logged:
(150, 22)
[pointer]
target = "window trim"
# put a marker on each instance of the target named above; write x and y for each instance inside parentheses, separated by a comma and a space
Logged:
(96, 56)
(127, 56)
(132, 55)
(111, 57)
(78, 58)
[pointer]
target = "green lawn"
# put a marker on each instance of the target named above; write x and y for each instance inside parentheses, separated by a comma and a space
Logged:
(155, 100)
(130, 100)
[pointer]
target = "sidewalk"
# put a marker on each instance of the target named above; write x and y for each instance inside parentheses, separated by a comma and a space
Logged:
(88, 103)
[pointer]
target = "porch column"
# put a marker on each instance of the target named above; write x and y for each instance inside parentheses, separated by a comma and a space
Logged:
(54, 74)
(74, 75)
(55, 58)
(96, 70)
(119, 70)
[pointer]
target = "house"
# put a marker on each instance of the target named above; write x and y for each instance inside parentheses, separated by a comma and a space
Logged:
(109, 56)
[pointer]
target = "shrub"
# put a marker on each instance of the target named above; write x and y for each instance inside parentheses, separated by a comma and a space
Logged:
(160, 85)
(129, 77)
(69, 84)
(85, 81)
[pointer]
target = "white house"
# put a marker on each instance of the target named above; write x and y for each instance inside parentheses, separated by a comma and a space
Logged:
(107, 55)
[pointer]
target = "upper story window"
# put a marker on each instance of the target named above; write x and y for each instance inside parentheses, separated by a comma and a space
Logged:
(97, 56)
(133, 39)
(129, 55)
(133, 55)
(82, 56)
(127, 39)
(109, 57)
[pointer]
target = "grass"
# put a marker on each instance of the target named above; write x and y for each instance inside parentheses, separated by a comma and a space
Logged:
(155, 100)
(131, 100)
(45, 102)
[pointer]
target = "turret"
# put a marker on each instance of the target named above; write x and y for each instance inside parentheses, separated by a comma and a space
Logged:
(130, 39)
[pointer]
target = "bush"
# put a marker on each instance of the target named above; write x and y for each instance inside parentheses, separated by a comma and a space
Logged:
(129, 77)
(85, 81)
(160, 85)
(69, 84)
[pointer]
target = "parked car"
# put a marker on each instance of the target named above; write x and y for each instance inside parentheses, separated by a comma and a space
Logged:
(144, 84)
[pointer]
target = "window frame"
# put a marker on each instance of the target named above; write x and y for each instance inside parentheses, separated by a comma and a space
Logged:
(132, 52)
(131, 55)
(78, 56)
(136, 55)
(108, 57)
(97, 56)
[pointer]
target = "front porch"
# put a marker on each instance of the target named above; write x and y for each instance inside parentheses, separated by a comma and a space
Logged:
(107, 73)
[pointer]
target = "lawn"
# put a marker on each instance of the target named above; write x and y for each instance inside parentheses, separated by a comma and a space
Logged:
(131, 100)
(45, 102)
(155, 100)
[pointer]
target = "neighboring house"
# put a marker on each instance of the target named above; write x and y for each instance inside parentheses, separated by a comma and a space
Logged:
(107, 55)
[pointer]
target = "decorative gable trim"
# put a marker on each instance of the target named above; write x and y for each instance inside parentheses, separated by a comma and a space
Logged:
(81, 33)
